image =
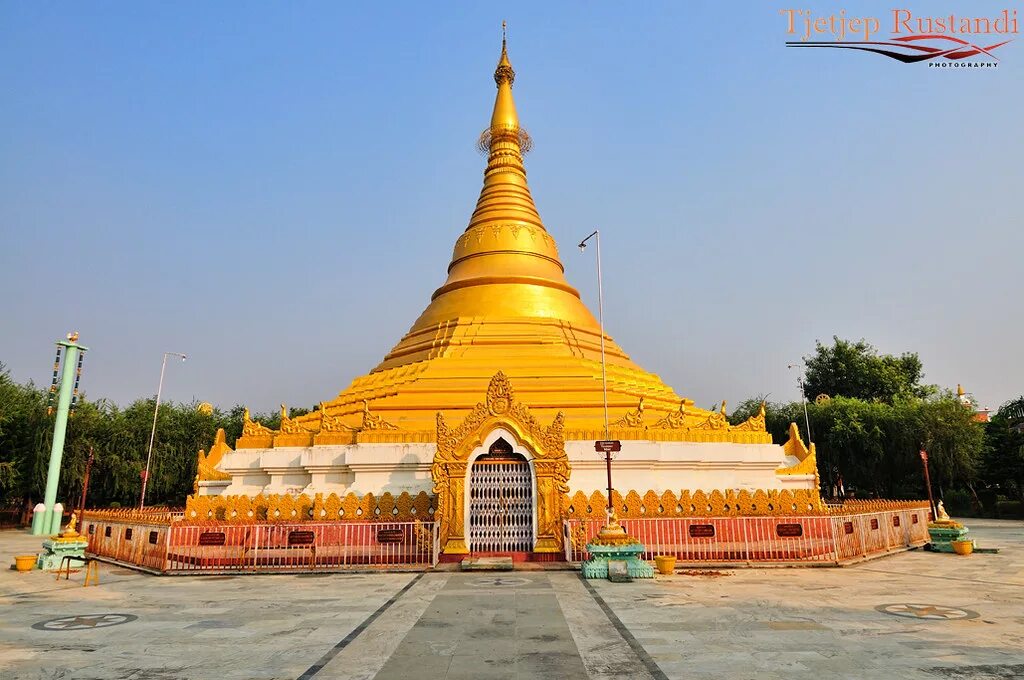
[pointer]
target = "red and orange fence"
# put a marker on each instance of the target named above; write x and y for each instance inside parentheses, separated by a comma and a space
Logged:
(264, 547)
(821, 539)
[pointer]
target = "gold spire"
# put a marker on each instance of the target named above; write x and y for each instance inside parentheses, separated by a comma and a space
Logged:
(505, 263)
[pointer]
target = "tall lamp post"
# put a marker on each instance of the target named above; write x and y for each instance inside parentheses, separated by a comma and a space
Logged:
(807, 423)
(803, 399)
(152, 432)
(608, 447)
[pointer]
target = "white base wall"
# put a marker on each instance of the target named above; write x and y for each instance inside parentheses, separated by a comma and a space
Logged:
(377, 468)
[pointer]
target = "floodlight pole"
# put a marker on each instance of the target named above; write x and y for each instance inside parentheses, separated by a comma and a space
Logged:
(152, 432)
(596, 235)
(807, 421)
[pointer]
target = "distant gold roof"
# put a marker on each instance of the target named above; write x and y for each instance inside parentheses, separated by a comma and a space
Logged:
(506, 306)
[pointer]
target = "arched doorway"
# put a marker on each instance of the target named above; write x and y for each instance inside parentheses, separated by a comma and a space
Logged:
(500, 501)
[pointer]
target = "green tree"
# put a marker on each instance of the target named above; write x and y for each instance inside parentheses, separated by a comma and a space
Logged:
(1002, 465)
(857, 370)
(874, 445)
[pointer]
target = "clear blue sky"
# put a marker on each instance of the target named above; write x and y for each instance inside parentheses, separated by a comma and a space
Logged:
(275, 188)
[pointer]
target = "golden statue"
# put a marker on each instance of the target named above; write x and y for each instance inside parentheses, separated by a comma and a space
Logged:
(69, 531)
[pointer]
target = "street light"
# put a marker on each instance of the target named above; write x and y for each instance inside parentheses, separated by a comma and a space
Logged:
(604, 371)
(152, 433)
(807, 422)
(803, 399)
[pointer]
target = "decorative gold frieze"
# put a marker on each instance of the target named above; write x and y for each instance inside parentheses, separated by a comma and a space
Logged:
(320, 508)
(151, 515)
(727, 503)
(856, 506)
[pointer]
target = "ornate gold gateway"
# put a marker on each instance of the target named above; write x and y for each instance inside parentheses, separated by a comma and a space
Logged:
(546, 449)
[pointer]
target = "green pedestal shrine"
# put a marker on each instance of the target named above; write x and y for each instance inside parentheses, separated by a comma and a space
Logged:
(601, 555)
(943, 532)
(57, 547)
(612, 544)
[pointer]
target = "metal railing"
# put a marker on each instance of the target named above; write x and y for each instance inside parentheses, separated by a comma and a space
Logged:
(801, 539)
(265, 547)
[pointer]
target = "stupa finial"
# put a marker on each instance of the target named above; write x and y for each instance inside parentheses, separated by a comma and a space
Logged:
(504, 73)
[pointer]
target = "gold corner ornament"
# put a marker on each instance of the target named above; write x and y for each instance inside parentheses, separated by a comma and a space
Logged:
(253, 428)
(374, 422)
(332, 423)
(807, 456)
(293, 426)
(632, 419)
(206, 468)
(546, 449)
(755, 423)
(795, 446)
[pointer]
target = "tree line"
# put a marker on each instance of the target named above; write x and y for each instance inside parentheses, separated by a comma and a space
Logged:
(118, 438)
(870, 415)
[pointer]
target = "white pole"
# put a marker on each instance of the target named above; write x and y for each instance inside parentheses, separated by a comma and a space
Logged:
(600, 316)
(604, 368)
(152, 432)
(803, 398)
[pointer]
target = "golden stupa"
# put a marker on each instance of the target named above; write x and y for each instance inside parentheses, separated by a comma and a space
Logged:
(505, 306)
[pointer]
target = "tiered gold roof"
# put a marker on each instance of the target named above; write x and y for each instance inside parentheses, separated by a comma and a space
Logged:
(505, 306)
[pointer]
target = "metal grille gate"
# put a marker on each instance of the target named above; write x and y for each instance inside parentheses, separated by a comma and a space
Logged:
(500, 506)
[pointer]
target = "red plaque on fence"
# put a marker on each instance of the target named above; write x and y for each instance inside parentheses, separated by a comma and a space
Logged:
(847, 527)
(390, 536)
(895, 520)
(211, 538)
(789, 530)
(914, 518)
(874, 525)
(301, 537)
(702, 531)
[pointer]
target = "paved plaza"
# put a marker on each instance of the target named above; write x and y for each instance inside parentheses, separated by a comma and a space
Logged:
(913, 615)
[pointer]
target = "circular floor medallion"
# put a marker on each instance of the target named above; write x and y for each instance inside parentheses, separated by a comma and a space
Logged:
(84, 622)
(930, 612)
(501, 581)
